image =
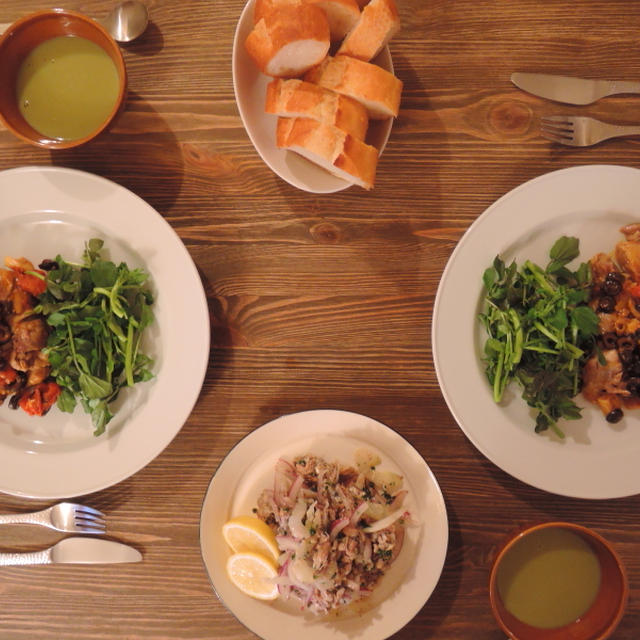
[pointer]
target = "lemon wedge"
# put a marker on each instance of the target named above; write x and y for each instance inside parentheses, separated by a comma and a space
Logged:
(254, 574)
(248, 533)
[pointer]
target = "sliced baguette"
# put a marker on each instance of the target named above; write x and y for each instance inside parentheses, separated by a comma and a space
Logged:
(378, 23)
(331, 148)
(296, 98)
(261, 8)
(342, 15)
(372, 86)
(287, 42)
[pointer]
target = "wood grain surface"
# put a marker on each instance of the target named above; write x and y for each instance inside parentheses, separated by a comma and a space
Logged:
(325, 301)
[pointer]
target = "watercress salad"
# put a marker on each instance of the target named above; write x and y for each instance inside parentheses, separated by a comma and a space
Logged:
(97, 311)
(540, 331)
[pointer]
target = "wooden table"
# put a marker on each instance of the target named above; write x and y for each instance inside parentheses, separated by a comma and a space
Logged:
(325, 301)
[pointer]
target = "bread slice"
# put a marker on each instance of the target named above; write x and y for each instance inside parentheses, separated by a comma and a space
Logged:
(261, 8)
(329, 147)
(372, 86)
(287, 42)
(378, 23)
(342, 15)
(296, 98)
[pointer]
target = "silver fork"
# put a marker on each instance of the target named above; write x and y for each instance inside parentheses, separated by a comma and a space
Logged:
(581, 131)
(65, 516)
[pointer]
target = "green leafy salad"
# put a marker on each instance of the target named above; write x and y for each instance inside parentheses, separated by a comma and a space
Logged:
(97, 311)
(540, 331)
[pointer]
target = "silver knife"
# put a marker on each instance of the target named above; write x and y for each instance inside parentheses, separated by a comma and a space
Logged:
(76, 551)
(571, 90)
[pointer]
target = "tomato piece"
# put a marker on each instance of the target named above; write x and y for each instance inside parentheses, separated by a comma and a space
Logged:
(30, 283)
(37, 400)
(8, 375)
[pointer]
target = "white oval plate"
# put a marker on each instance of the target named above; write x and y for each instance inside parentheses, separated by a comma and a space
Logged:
(250, 86)
(596, 459)
(335, 435)
(45, 211)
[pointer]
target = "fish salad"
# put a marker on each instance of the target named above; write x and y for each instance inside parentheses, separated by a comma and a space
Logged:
(339, 528)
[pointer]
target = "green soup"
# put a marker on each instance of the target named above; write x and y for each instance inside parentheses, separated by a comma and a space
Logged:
(549, 578)
(67, 87)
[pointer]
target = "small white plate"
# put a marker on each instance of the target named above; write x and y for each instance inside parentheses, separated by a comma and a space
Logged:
(45, 211)
(596, 459)
(250, 86)
(334, 435)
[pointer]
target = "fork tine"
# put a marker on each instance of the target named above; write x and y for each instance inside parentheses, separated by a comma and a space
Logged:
(566, 119)
(88, 519)
(558, 133)
(89, 511)
(558, 138)
(559, 125)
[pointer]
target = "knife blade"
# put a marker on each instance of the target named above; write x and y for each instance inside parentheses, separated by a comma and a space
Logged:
(76, 551)
(579, 91)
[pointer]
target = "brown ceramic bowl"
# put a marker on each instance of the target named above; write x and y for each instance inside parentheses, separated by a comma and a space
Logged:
(21, 38)
(598, 622)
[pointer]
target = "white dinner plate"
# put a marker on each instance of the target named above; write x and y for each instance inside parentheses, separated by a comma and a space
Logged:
(45, 211)
(596, 459)
(334, 435)
(250, 86)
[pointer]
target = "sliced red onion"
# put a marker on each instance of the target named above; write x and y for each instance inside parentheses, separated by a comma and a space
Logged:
(287, 543)
(284, 476)
(298, 530)
(357, 514)
(386, 522)
(398, 500)
(295, 487)
(337, 527)
(397, 547)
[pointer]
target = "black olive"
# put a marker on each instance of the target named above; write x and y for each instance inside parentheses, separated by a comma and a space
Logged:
(48, 265)
(607, 304)
(612, 287)
(13, 401)
(626, 356)
(615, 415)
(626, 343)
(615, 275)
(609, 340)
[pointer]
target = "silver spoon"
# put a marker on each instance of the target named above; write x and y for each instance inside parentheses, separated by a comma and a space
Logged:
(125, 23)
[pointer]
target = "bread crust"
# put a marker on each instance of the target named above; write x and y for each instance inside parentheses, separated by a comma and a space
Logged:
(378, 23)
(342, 15)
(296, 98)
(331, 148)
(378, 90)
(289, 41)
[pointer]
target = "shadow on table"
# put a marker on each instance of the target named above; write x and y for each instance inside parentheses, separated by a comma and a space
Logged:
(139, 152)
(150, 43)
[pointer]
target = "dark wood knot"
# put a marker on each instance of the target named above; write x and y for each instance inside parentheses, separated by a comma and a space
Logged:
(510, 118)
(325, 233)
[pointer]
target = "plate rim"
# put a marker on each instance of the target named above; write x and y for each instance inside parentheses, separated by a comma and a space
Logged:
(561, 176)
(335, 413)
(85, 483)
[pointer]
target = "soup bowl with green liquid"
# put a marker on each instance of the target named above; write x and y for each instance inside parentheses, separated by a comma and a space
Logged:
(557, 581)
(62, 79)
